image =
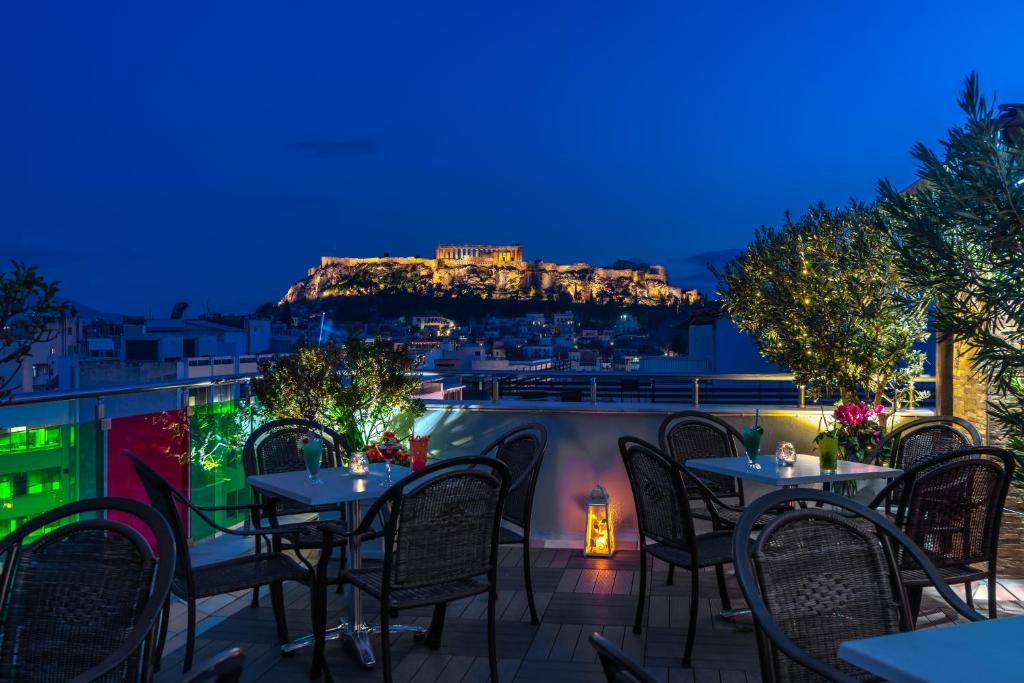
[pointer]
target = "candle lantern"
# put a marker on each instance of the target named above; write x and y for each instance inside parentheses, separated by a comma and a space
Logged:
(600, 534)
(359, 464)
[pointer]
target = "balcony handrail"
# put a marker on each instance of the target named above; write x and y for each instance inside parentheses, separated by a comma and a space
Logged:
(619, 374)
(119, 389)
(204, 382)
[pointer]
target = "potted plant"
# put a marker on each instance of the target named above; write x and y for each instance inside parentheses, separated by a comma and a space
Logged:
(854, 434)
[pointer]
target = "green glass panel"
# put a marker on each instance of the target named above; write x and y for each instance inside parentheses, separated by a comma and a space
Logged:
(41, 469)
(217, 432)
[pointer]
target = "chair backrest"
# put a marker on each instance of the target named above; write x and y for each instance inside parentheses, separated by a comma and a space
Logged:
(953, 505)
(276, 446)
(162, 497)
(81, 601)
(618, 666)
(522, 450)
(442, 522)
(662, 504)
(223, 668)
(821, 573)
(923, 439)
(696, 434)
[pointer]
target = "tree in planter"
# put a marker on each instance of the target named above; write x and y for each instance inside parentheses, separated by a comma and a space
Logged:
(960, 234)
(362, 388)
(824, 297)
(28, 310)
(304, 384)
(378, 393)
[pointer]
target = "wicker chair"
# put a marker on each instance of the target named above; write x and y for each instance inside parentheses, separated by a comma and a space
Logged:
(690, 434)
(82, 601)
(816, 576)
(617, 665)
(440, 544)
(239, 573)
(664, 517)
(920, 440)
(952, 506)
(275, 447)
(522, 449)
(223, 668)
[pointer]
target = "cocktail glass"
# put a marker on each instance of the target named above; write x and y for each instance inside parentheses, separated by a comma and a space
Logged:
(752, 444)
(828, 453)
(312, 454)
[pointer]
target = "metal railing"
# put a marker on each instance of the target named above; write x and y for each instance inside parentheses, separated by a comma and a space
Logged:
(641, 387)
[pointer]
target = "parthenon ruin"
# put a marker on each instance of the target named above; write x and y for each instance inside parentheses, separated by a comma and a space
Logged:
(480, 253)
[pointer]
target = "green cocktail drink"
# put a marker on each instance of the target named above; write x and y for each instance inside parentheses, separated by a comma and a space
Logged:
(828, 453)
(752, 442)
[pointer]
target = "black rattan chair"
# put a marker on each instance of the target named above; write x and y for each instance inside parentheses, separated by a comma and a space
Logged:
(821, 574)
(440, 544)
(276, 447)
(522, 450)
(951, 506)
(920, 440)
(82, 601)
(664, 517)
(690, 434)
(618, 667)
(223, 668)
(247, 571)
(696, 434)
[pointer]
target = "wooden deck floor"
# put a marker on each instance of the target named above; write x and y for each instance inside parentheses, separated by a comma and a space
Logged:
(576, 596)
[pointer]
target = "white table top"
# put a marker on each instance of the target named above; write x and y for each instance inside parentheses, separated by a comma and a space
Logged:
(806, 470)
(339, 485)
(977, 651)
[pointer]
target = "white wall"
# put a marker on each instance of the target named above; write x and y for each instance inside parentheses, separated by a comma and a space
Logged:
(583, 451)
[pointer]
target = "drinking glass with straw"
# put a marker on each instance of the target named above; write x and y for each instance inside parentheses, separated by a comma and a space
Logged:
(752, 440)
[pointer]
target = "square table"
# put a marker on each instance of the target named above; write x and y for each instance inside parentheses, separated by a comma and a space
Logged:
(338, 487)
(806, 470)
(974, 651)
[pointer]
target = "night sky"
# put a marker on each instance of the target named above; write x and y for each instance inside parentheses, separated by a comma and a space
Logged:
(211, 152)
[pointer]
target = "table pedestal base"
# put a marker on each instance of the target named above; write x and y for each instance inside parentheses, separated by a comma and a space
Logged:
(358, 638)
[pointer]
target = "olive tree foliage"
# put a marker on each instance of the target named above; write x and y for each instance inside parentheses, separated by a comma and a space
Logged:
(823, 296)
(29, 311)
(960, 234)
(360, 388)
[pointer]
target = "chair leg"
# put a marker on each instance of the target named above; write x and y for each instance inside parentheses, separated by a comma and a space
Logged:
(671, 575)
(385, 641)
(257, 549)
(643, 592)
(969, 595)
(528, 574)
(694, 608)
(722, 592)
(492, 639)
(993, 608)
(277, 600)
(158, 650)
(914, 594)
(436, 626)
(190, 637)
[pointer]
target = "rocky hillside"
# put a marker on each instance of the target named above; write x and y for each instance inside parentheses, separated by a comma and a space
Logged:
(580, 282)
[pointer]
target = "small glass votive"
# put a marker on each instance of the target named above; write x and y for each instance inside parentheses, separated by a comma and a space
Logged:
(359, 464)
(785, 454)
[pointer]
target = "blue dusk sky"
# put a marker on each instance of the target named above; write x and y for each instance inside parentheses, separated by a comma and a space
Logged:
(213, 151)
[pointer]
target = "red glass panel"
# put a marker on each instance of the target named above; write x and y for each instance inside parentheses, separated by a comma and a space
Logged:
(158, 439)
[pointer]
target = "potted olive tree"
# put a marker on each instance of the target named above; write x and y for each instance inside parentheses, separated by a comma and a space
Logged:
(360, 388)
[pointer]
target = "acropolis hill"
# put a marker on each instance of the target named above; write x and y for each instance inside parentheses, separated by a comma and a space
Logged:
(487, 271)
